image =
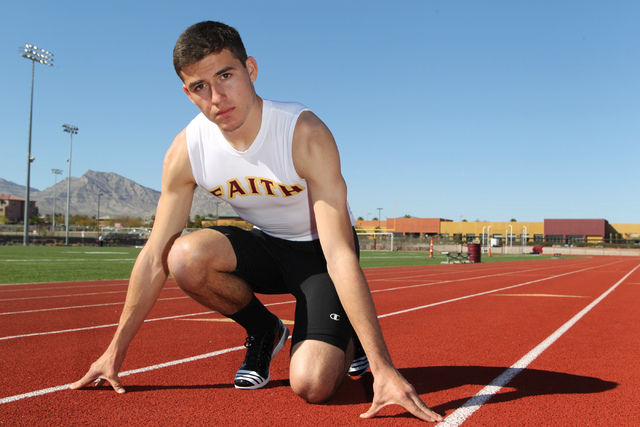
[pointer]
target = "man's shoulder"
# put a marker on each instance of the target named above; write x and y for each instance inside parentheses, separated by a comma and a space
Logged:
(308, 123)
(200, 128)
(198, 120)
(286, 107)
(294, 113)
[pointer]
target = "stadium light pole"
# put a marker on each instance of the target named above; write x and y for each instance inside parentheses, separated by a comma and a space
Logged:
(55, 173)
(34, 54)
(71, 130)
(98, 219)
(379, 213)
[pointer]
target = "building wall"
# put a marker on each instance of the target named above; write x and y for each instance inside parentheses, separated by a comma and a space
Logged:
(234, 221)
(370, 226)
(12, 207)
(414, 225)
(438, 226)
(575, 227)
(627, 231)
(402, 225)
(492, 228)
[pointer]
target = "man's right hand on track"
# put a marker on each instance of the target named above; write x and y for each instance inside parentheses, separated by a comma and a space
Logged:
(104, 369)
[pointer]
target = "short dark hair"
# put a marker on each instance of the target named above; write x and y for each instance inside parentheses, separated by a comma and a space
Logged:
(205, 38)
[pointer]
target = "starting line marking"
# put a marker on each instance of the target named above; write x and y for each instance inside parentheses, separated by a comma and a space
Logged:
(540, 295)
(473, 404)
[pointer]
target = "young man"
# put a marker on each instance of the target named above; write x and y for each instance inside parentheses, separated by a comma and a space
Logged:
(277, 164)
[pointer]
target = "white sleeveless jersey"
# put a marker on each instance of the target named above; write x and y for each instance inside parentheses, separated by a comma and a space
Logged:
(261, 184)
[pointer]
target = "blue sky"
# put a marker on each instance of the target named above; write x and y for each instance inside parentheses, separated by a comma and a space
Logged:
(477, 110)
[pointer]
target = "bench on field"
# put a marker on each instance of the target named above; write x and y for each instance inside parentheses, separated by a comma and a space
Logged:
(456, 257)
(557, 256)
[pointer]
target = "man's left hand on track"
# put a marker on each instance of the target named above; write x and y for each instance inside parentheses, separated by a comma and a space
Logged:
(392, 388)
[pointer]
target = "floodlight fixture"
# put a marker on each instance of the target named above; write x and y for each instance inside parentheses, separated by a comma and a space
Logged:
(71, 130)
(34, 54)
(55, 173)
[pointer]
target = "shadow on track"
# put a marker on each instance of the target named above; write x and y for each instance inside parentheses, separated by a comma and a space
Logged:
(529, 382)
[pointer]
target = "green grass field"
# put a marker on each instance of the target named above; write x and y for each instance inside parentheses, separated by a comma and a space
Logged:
(34, 264)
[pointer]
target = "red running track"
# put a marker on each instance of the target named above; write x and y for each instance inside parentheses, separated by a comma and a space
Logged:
(543, 342)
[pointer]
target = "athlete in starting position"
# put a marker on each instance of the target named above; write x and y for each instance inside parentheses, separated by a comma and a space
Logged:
(277, 164)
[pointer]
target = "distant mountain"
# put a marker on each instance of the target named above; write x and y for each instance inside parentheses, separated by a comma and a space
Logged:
(8, 187)
(120, 197)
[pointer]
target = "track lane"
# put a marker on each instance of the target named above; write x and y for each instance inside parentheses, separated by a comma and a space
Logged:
(494, 388)
(597, 359)
(154, 317)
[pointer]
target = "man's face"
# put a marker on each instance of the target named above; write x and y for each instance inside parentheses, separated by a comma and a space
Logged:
(222, 88)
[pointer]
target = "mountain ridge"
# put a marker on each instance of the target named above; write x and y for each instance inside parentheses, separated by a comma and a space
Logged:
(119, 196)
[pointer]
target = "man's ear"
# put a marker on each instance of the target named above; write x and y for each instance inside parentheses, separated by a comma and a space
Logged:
(252, 68)
(186, 91)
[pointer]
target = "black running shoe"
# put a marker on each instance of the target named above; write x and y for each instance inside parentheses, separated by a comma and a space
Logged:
(261, 349)
(360, 363)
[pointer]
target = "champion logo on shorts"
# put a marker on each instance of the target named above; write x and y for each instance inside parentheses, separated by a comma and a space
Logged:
(335, 317)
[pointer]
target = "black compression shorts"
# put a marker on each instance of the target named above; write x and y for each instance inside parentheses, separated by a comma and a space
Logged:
(276, 266)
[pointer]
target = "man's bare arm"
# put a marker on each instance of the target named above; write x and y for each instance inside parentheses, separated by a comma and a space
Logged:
(317, 160)
(150, 270)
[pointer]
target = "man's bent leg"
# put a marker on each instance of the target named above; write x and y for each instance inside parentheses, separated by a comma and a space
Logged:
(202, 264)
(318, 369)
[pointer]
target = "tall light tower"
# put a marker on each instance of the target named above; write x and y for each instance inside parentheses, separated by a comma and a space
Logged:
(34, 54)
(55, 173)
(71, 130)
(98, 219)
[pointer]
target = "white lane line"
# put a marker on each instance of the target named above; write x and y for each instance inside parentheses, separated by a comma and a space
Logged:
(63, 296)
(373, 291)
(288, 302)
(62, 331)
(473, 404)
(122, 374)
(81, 306)
(507, 273)
(124, 291)
(542, 295)
(79, 285)
(483, 293)
(115, 324)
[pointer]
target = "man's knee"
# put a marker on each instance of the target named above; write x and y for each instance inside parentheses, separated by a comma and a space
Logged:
(317, 370)
(314, 390)
(193, 258)
(176, 259)
(182, 257)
